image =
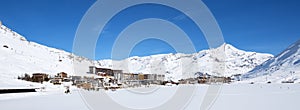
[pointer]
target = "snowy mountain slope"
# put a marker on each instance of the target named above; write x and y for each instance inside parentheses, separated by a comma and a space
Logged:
(19, 56)
(285, 66)
(225, 60)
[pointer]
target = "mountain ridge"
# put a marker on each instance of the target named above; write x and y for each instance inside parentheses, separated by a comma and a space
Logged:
(284, 66)
(23, 56)
(225, 60)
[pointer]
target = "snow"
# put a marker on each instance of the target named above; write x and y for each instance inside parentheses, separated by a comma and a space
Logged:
(41, 101)
(223, 61)
(283, 67)
(258, 97)
(19, 56)
(230, 97)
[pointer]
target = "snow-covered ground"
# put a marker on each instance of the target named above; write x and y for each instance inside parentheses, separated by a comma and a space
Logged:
(42, 101)
(258, 97)
(230, 97)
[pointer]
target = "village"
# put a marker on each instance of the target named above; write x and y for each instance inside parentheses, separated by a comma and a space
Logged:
(109, 79)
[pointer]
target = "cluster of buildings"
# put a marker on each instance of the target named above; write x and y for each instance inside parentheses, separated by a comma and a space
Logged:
(105, 78)
(99, 78)
(109, 77)
(205, 80)
(41, 77)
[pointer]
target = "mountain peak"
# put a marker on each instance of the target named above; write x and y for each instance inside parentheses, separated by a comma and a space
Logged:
(227, 47)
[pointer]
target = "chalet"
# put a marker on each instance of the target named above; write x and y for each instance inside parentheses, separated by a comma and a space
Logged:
(62, 75)
(39, 77)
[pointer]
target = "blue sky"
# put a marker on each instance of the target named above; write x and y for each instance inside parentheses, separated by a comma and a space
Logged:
(267, 26)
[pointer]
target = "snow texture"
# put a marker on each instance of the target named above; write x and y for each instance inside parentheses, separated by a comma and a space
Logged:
(283, 67)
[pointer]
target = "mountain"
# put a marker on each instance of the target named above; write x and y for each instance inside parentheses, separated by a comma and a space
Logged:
(285, 66)
(19, 56)
(225, 60)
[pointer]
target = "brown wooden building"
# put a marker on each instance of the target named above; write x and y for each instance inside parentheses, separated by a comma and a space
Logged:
(62, 75)
(39, 77)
